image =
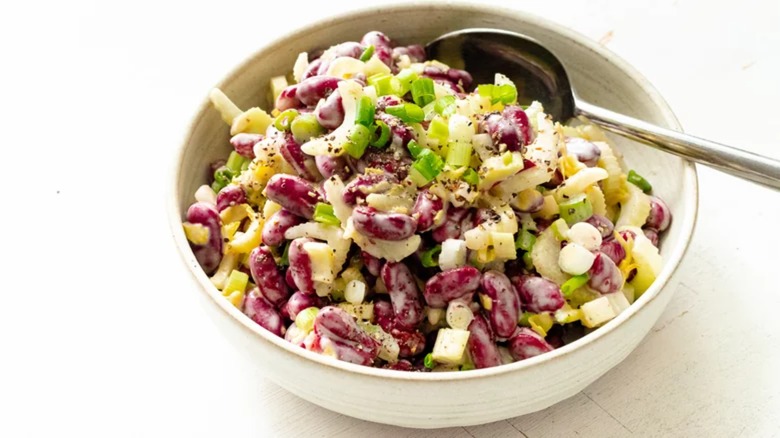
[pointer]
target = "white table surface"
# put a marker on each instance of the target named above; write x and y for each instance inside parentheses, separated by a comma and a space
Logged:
(99, 329)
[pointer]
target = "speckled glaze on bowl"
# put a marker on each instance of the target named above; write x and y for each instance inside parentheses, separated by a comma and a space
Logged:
(432, 400)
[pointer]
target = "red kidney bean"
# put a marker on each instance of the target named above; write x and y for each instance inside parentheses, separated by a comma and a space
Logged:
(455, 76)
(451, 227)
(555, 181)
(350, 49)
(652, 234)
(539, 294)
(312, 69)
(527, 343)
(660, 216)
(331, 113)
(288, 98)
(210, 254)
(377, 39)
(311, 90)
(300, 265)
(425, 209)
(520, 118)
(385, 54)
(451, 284)
(330, 166)
(266, 275)
(614, 250)
(482, 344)
(404, 295)
(502, 131)
(396, 163)
(385, 101)
(276, 225)
(604, 225)
(373, 264)
(402, 134)
(347, 352)
(288, 278)
(401, 365)
(384, 315)
(415, 52)
(283, 311)
(336, 324)
(410, 343)
(386, 226)
(244, 143)
(293, 193)
(300, 301)
(261, 311)
(230, 195)
(605, 277)
(365, 184)
(584, 151)
(303, 164)
(504, 311)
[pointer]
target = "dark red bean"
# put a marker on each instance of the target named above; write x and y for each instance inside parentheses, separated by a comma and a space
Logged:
(504, 310)
(330, 115)
(349, 49)
(652, 234)
(384, 315)
(347, 352)
(288, 98)
(261, 311)
(393, 163)
(209, 255)
(230, 195)
(605, 277)
(584, 151)
(402, 133)
(330, 166)
(300, 301)
(660, 216)
(288, 278)
(244, 143)
(426, 208)
(385, 54)
(604, 225)
(336, 324)
(303, 164)
(416, 53)
(385, 101)
(300, 265)
(266, 275)
(451, 284)
(377, 39)
(401, 365)
(293, 193)
(527, 343)
(482, 344)
(410, 343)
(275, 227)
(451, 227)
(539, 294)
(614, 250)
(373, 265)
(370, 222)
(363, 185)
(404, 295)
(520, 118)
(311, 90)
(312, 69)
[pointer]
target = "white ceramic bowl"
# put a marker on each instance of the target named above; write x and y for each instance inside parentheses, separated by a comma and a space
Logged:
(430, 400)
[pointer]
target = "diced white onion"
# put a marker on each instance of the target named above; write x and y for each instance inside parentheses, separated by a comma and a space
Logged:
(575, 259)
(459, 315)
(586, 235)
(453, 254)
(355, 292)
(206, 194)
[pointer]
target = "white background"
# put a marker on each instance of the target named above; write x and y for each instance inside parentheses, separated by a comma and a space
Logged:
(100, 332)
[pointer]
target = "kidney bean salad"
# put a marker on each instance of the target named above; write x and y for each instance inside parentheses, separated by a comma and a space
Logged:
(389, 213)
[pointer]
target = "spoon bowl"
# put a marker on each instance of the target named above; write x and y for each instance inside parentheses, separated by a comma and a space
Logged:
(540, 75)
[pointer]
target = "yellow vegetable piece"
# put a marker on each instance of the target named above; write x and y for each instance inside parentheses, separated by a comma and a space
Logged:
(196, 233)
(236, 213)
(541, 323)
(597, 200)
(226, 266)
(254, 120)
(570, 165)
(549, 208)
(244, 242)
(235, 287)
(227, 109)
(635, 209)
(229, 230)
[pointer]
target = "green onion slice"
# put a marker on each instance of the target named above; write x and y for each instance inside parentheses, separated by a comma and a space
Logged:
(358, 141)
(428, 361)
(639, 181)
(525, 240)
(407, 112)
(381, 134)
(471, 176)
(445, 106)
(323, 213)
(422, 91)
(365, 111)
(459, 154)
(284, 120)
(430, 258)
(574, 283)
(368, 53)
(576, 209)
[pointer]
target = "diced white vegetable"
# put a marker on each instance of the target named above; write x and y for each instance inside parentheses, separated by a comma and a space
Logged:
(333, 144)
(498, 168)
(527, 179)
(545, 255)
(440, 91)
(322, 261)
(597, 312)
(450, 346)
(278, 84)
(355, 292)
(269, 208)
(462, 129)
(254, 121)
(477, 238)
(300, 66)
(334, 188)
(586, 235)
(635, 210)
(435, 315)
(503, 245)
(226, 108)
(393, 251)
(345, 67)
(580, 181)
(453, 254)
(322, 289)
(375, 66)
(618, 301)
(389, 348)
(459, 315)
(575, 259)
(336, 238)
(501, 79)
(364, 311)
(390, 203)
(206, 194)
(483, 145)
(226, 266)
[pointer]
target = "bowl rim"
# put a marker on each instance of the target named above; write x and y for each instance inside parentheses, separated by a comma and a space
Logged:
(293, 351)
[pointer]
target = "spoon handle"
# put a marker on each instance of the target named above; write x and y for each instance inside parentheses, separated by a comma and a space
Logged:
(742, 164)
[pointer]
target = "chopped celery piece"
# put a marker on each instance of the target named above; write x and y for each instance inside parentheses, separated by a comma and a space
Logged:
(459, 154)
(467, 367)
(439, 130)
(222, 177)
(381, 134)
(358, 141)
(368, 53)
(305, 318)
(527, 260)
(524, 319)
(505, 93)
(407, 112)
(385, 84)
(445, 106)
(323, 213)
(639, 181)
(428, 361)
(364, 114)
(560, 229)
(234, 162)
(235, 286)
(471, 176)
(414, 148)
(525, 240)
(427, 166)
(305, 127)
(422, 91)
(430, 258)
(573, 284)
(406, 78)
(576, 209)
(283, 121)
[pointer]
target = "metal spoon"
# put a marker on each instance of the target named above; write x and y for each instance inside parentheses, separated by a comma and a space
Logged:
(483, 52)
